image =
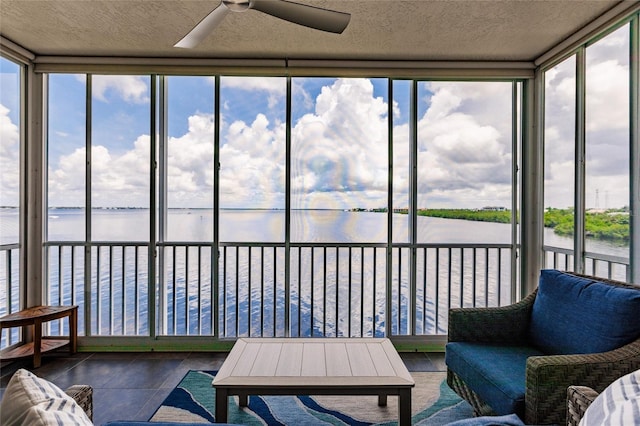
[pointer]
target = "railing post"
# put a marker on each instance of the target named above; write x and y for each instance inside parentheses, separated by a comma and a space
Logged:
(215, 246)
(153, 251)
(579, 201)
(287, 219)
(88, 296)
(633, 273)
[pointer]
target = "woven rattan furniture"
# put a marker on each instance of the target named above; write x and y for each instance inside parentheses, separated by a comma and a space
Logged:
(578, 400)
(83, 395)
(547, 377)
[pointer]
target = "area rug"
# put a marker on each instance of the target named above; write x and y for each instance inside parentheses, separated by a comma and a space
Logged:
(433, 404)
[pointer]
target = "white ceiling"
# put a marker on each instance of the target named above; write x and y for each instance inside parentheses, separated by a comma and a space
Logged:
(467, 30)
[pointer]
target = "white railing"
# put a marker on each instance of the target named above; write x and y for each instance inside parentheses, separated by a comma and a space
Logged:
(327, 290)
(9, 289)
(596, 264)
(333, 290)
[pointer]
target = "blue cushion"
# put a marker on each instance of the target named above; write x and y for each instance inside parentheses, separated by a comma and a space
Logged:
(576, 315)
(495, 372)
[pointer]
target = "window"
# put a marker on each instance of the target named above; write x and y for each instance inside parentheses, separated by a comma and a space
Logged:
(265, 203)
(602, 182)
(464, 187)
(607, 147)
(10, 178)
(559, 157)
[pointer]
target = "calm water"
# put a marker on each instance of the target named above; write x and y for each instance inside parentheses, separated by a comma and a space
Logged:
(196, 225)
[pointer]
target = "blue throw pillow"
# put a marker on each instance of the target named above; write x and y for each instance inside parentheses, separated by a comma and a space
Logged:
(576, 315)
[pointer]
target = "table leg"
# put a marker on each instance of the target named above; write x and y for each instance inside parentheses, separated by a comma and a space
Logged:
(37, 343)
(73, 331)
(404, 407)
(382, 400)
(243, 399)
(222, 401)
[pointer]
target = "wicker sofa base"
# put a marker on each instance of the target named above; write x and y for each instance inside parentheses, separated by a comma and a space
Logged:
(578, 400)
(83, 395)
(460, 387)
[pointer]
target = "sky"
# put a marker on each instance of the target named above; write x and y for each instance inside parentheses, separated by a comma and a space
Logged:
(607, 126)
(339, 153)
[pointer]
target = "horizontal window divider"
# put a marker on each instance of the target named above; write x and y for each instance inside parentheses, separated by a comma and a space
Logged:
(485, 70)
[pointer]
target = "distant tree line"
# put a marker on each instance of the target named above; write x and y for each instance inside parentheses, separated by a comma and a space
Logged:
(501, 216)
(611, 225)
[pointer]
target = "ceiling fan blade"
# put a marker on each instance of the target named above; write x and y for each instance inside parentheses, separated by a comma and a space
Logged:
(309, 16)
(204, 28)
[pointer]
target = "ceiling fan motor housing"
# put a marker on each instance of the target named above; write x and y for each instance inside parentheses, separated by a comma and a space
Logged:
(238, 5)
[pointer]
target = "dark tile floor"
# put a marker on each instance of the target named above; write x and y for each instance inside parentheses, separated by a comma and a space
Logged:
(131, 386)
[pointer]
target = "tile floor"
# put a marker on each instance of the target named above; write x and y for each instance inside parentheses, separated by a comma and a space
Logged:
(131, 386)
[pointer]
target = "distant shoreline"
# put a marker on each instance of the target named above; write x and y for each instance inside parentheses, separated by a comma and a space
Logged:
(608, 225)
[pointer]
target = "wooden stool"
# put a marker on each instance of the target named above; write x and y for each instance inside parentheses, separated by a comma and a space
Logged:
(34, 317)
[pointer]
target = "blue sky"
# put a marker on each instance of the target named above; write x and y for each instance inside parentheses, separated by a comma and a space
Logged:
(339, 136)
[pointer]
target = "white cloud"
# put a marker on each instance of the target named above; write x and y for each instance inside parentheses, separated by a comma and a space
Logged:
(464, 157)
(342, 147)
(252, 84)
(271, 85)
(607, 96)
(607, 123)
(339, 157)
(130, 88)
(9, 159)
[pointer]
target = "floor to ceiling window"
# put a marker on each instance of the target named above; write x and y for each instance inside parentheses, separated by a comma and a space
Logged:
(252, 205)
(185, 206)
(277, 206)
(66, 191)
(559, 160)
(607, 150)
(587, 159)
(464, 195)
(98, 192)
(339, 187)
(10, 191)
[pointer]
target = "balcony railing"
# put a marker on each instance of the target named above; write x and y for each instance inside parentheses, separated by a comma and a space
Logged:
(328, 290)
(9, 289)
(596, 264)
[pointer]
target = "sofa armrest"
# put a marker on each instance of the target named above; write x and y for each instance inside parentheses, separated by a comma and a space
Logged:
(549, 377)
(83, 395)
(578, 400)
(505, 324)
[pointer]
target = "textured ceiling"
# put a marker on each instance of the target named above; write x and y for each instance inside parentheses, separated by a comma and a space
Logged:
(470, 30)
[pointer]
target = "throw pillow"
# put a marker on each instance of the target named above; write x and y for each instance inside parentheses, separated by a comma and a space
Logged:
(31, 400)
(618, 404)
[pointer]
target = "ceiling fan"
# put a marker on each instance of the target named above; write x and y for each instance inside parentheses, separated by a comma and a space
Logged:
(302, 14)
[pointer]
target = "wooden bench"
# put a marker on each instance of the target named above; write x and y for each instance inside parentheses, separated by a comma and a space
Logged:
(34, 317)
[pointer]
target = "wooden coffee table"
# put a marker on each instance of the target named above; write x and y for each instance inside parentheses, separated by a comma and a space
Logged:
(301, 366)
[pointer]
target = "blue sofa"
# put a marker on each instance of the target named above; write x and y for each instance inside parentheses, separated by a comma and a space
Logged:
(521, 358)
